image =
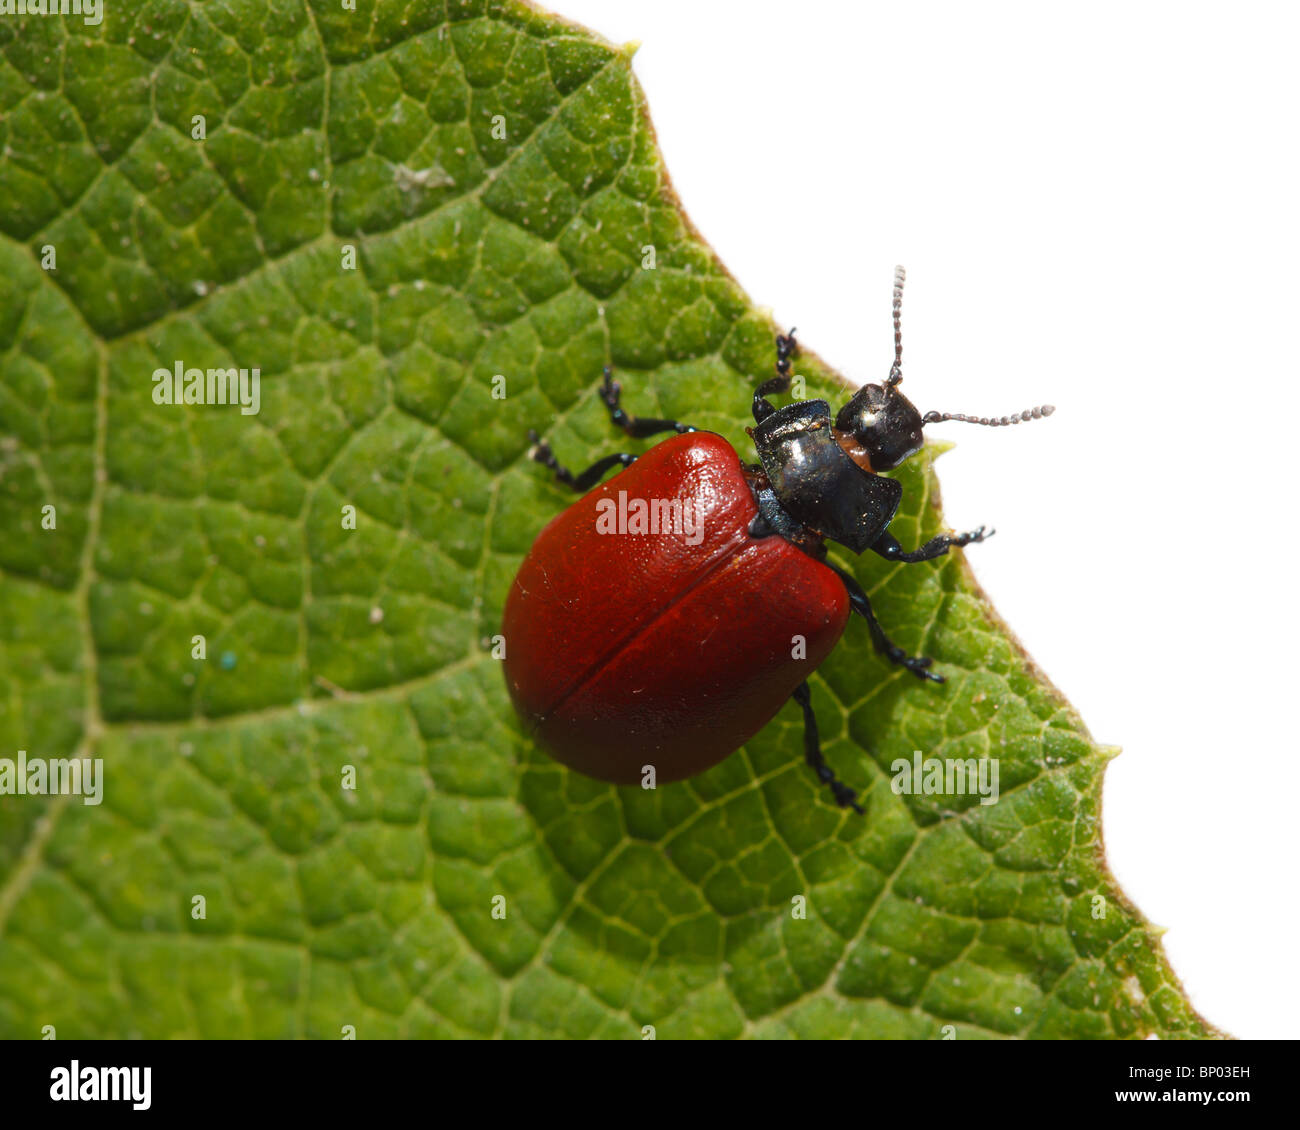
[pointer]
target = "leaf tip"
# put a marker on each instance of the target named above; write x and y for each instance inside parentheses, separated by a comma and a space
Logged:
(630, 48)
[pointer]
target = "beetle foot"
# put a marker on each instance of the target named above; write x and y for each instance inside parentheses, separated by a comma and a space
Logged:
(610, 390)
(786, 347)
(540, 452)
(919, 665)
(972, 537)
(846, 797)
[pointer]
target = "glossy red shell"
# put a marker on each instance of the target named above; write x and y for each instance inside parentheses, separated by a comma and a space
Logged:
(632, 649)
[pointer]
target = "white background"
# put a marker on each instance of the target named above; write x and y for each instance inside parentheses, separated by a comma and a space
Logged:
(1097, 206)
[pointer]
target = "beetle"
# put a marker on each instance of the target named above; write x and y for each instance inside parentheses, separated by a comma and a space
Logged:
(633, 642)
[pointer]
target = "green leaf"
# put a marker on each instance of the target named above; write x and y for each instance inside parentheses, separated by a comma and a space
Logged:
(477, 255)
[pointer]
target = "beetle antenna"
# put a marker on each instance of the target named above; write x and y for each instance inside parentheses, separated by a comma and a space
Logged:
(896, 370)
(990, 422)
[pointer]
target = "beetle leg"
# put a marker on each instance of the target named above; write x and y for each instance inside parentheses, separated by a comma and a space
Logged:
(638, 427)
(541, 453)
(762, 408)
(887, 545)
(786, 346)
(919, 665)
(845, 797)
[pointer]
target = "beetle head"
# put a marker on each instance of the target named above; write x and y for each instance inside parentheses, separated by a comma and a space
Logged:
(882, 428)
(883, 423)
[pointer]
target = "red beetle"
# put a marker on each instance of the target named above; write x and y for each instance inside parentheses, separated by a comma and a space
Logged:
(665, 617)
